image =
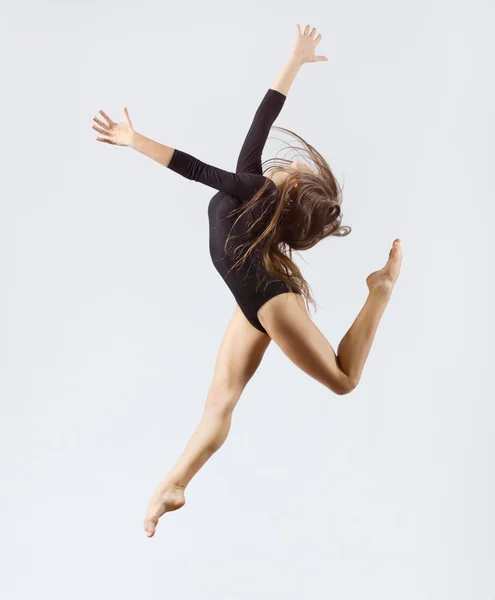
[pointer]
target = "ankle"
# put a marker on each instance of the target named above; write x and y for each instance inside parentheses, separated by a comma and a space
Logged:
(173, 482)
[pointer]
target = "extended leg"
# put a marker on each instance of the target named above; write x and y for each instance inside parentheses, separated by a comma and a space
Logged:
(288, 323)
(240, 354)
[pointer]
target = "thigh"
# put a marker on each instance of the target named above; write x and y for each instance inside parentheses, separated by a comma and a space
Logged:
(287, 322)
(240, 353)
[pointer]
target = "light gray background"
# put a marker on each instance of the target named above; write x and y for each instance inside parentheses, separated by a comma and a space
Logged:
(112, 314)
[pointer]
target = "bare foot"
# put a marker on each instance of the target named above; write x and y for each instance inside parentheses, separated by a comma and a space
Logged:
(384, 279)
(167, 498)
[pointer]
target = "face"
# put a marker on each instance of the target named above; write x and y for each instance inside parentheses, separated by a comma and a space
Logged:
(298, 165)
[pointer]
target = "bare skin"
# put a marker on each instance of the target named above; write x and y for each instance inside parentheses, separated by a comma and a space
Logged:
(290, 326)
(288, 323)
(240, 354)
(284, 317)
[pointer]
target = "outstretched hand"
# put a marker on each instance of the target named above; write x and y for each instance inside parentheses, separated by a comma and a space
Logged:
(305, 47)
(118, 134)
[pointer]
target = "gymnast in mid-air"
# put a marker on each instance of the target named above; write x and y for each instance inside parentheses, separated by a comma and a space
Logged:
(260, 214)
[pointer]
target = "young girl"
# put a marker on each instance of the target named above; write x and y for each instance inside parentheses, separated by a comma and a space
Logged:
(257, 218)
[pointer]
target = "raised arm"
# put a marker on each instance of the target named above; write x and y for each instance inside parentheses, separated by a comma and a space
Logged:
(247, 178)
(303, 51)
(249, 160)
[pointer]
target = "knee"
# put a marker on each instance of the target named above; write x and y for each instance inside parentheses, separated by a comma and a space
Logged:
(221, 399)
(346, 386)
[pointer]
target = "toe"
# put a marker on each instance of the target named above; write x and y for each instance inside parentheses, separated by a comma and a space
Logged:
(396, 249)
(149, 527)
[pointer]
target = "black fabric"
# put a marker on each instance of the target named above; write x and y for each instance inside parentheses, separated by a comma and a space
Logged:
(251, 285)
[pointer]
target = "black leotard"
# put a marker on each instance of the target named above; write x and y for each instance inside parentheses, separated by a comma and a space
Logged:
(251, 285)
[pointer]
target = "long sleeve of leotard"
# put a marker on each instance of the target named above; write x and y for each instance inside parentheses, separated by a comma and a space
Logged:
(246, 180)
(240, 185)
(249, 160)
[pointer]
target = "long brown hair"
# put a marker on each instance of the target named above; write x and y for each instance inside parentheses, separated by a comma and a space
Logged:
(301, 211)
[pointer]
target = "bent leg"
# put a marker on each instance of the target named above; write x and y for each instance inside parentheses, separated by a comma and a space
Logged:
(240, 354)
(288, 323)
